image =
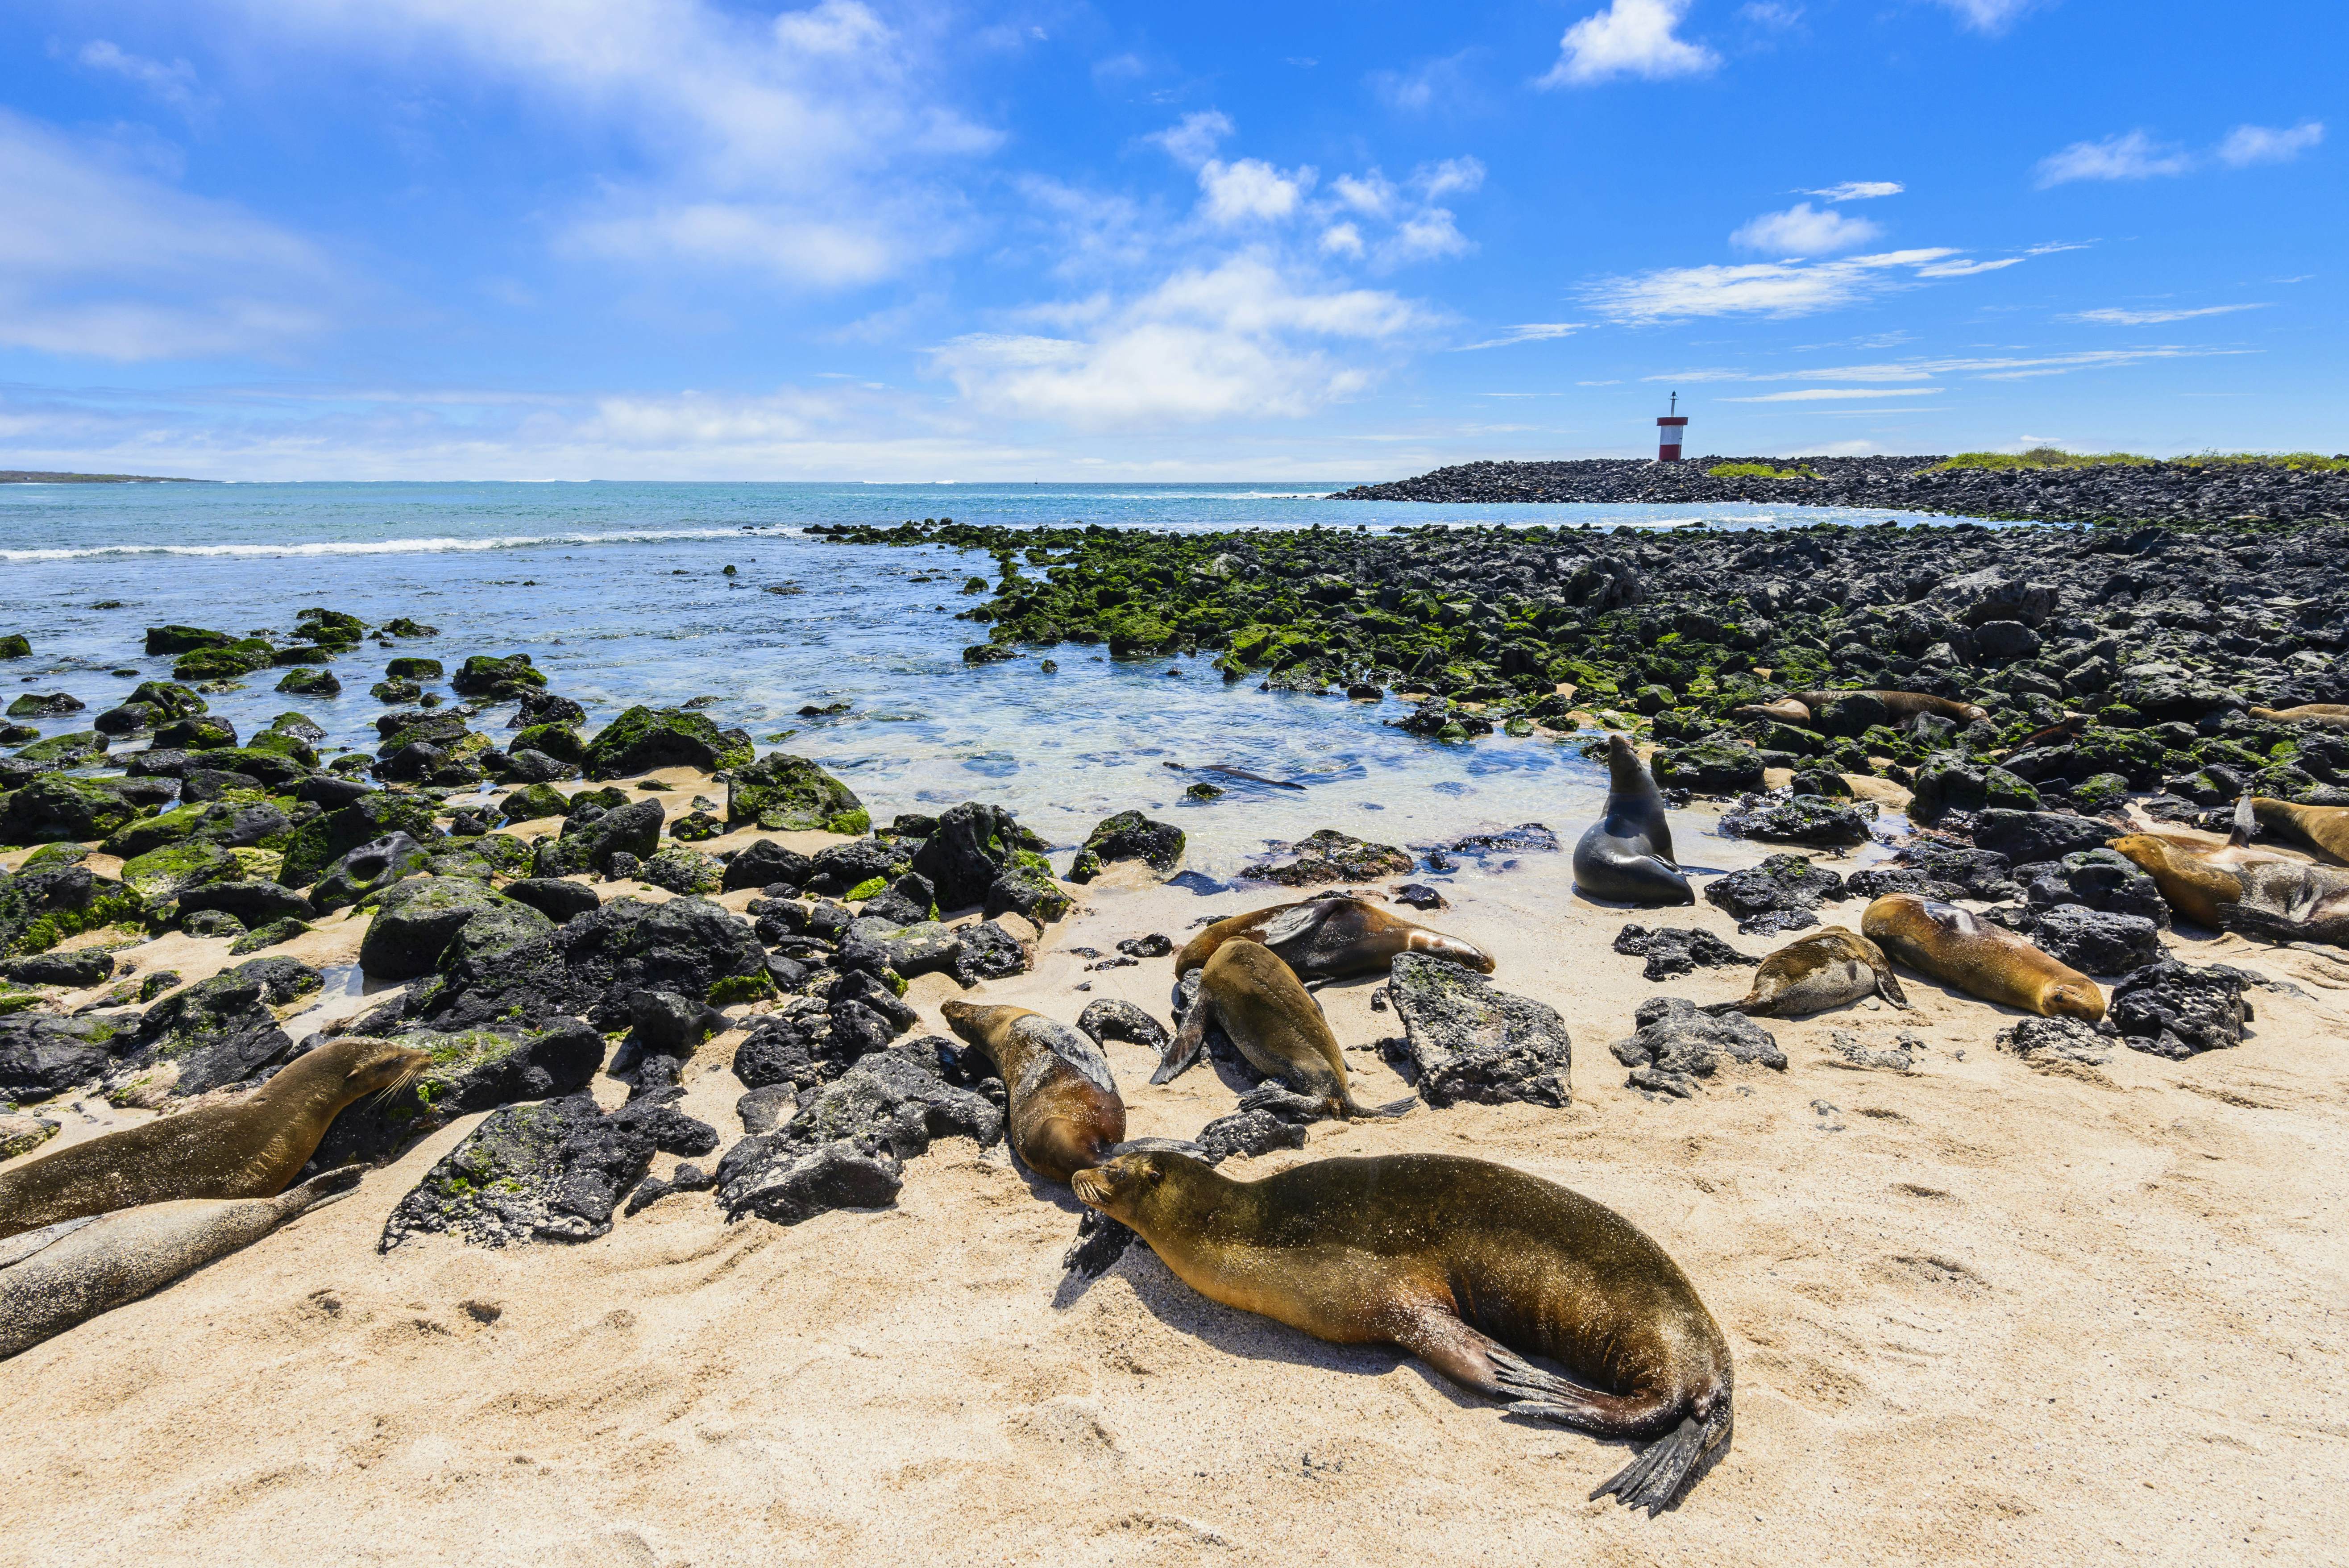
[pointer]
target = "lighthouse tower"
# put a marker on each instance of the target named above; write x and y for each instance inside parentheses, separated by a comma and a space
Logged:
(1669, 429)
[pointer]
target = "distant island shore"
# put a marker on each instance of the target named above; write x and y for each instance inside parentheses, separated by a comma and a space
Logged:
(36, 477)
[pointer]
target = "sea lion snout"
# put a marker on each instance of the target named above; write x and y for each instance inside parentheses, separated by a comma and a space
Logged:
(2069, 999)
(385, 1065)
(1441, 946)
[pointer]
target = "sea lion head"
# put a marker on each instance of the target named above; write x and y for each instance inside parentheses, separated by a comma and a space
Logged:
(1142, 1187)
(967, 1019)
(2074, 1000)
(1437, 945)
(370, 1065)
(1624, 772)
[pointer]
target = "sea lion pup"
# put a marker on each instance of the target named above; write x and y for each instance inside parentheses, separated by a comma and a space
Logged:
(250, 1147)
(1800, 707)
(1331, 938)
(1463, 1264)
(64, 1274)
(1626, 854)
(2325, 827)
(1979, 958)
(1065, 1110)
(2332, 715)
(1276, 1025)
(1829, 968)
(2246, 891)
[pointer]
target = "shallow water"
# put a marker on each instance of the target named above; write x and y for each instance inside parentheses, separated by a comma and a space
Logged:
(617, 592)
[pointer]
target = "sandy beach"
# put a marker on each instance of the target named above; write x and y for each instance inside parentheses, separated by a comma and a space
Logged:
(1980, 1313)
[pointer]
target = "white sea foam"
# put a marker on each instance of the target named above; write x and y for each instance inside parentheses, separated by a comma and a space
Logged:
(377, 546)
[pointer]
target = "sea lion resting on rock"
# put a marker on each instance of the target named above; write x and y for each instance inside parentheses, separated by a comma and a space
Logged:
(1979, 958)
(1331, 938)
(2246, 891)
(1828, 968)
(1626, 854)
(1798, 707)
(2333, 714)
(1463, 1264)
(67, 1273)
(250, 1147)
(1276, 1024)
(2324, 827)
(1065, 1110)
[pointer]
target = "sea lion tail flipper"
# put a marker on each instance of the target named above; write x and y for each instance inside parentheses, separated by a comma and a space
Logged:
(1653, 1479)
(1187, 1043)
(1392, 1108)
(1888, 985)
(1745, 1003)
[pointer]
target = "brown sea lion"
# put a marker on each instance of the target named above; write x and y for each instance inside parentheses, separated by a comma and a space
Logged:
(1829, 968)
(2332, 715)
(1065, 1110)
(1979, 958)
(2323, 828)
(1276, 1025)
(1331, 938)
(1464, 1265)
(1799, 707)
(250, 1147)
(1626, 854)
(67, 1273)
(2246, 891)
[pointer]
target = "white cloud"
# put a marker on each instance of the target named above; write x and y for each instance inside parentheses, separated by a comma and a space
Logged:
(1987, 369)
(1251, 191)
(103, 261)
(1192, 139)
(2131, 156)
(1432, 84)
(752, 128)
(1859, 190)
(1829, 393)
(175, 84)
(1246, 338)
(1993, 16)
(1342, 239)
(2117, 317)
(1770, 13)
(1805, 231)
(1774, 289)
(1629, 38)
(1536, 332)
(2249, 144)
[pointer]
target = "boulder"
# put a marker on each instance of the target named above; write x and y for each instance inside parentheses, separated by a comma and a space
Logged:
(1129, 836)
(558, 900)
(1783, 893)
(2027, 836)
(2098, 879)
(643, 738)
(53, 807)
(970, 847)
(469, 1070)
(222, 1030)
(1708, 767)
(783, 793)
(414, 921)
(2096, 942)
(1812, 819)
(588, 844)
(495, 679)
(1672, 950)
(78, 970)
(763, 864)
(368, 869)
(2172, 1009)
(679, 870)
(42, 1055)
(374, 815)
(552, 1171)
(1676, 1044)
(252, 903)
(1464, 1040)
(990, 952)
(1330, 856)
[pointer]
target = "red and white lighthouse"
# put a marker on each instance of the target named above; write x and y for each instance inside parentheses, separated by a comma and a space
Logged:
(1669, 430)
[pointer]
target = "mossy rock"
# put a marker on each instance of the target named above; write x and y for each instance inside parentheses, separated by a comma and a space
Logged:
(683, 872)
(736, 989)
(293, 748)
(270, 935)
(401, 627)
(196, 732)
(161, 874)
(408, 667)
(321, 624)
(53, 807)
(322, 841)
(532, 802)
(307, 682)
(16, 645)
(482, 676)
(695, 827)
(184, 639)
(560, 741)
(70, 750)
(488, 855)
(227, 662)
(783, 793)
(644, 738)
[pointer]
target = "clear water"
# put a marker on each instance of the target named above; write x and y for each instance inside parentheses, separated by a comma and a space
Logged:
(617, 592)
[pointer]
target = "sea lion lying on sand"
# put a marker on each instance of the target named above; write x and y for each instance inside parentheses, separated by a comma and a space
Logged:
(1980, 959)
(1065, 1110)
(1463, 1264)
(1829, 968)
(67, 1273)
(2323, 828)
(1276, 1025)
(1798, 707)
(2230, 890)
(1626, 854)
(1331, 938)
(250, 1147)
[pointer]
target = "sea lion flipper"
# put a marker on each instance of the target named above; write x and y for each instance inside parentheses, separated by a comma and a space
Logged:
(1653, 1479)
(1189, 1041)
(1392, 1108)
(17, 1248)
(1888, 985)
(1299, 919)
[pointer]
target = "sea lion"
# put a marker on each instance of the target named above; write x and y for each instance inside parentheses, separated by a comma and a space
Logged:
(1800, 707)
(1463, 1264)
(250, 1147)
(1065, 1110)
(2326, 827)
(1331, 938)
(64, 1274)
(1828, 968)
(1626, 854)
(1276, 1024)
(1979, 958)
(2246, 891)
(2332, 715)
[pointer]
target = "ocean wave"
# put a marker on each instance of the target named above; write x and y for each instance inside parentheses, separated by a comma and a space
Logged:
(435, 545)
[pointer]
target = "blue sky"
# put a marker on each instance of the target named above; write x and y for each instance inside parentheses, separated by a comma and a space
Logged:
(689, 239)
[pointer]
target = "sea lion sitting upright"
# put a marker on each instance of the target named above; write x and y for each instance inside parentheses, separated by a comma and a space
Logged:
(2246, 891)
(63, 1274)
(1979, 958)
(1331, 938)
(1276, 1025)
(1065, 1110)
(1826, 969)
(250, 1147)
(2332, 715)
(1463, 1264)
(1626, 854)
(2325, 827)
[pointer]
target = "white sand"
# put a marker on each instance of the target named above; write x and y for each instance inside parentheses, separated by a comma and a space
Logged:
(1980, 1313)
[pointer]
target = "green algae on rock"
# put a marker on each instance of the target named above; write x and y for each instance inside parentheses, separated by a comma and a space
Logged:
(783, 793)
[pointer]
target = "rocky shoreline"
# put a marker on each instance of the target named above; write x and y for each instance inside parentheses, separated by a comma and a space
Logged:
(2184, 491)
